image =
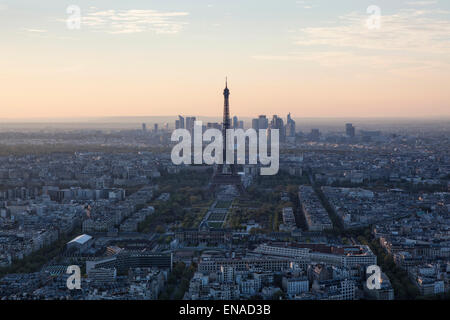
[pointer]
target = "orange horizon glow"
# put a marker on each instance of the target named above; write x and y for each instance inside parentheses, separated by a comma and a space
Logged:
(312, 66)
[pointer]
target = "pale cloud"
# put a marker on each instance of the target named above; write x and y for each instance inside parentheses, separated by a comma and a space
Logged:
(410, 40)
(134, 21)
(305, 4)
(409, 30)
(344, 59)
(421, 3)
(36, 30)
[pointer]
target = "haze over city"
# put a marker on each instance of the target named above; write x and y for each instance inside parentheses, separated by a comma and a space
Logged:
(314, 58)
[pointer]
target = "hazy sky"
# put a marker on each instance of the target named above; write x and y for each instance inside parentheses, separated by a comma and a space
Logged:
(313, 58)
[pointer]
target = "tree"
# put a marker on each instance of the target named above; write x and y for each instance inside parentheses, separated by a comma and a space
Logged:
(278, 295)
(160, 229)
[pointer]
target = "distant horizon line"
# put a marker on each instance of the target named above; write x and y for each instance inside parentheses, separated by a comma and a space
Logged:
(72, 119)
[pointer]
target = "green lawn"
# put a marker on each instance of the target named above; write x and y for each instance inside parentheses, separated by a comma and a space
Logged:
(223, 204)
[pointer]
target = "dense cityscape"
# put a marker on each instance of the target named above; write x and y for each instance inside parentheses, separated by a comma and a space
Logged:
(141, 228)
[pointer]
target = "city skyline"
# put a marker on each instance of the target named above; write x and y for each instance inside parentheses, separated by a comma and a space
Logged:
(313, 58)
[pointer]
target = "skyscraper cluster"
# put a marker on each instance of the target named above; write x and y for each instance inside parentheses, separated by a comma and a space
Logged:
(237, 124)
(179, 124)
(350, 130)
(187, 123)
(286, 131)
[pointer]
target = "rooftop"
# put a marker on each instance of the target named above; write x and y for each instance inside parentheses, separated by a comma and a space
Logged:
(81, 239)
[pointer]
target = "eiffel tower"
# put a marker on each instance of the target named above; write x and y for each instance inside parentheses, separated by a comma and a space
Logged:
(226, 174)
